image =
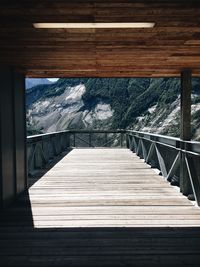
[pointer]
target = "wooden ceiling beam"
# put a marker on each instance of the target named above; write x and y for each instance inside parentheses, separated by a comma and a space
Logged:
(172, 45)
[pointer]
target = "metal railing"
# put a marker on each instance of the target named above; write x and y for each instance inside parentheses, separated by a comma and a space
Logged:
(177, 160)
(41, 149)
(97, 138)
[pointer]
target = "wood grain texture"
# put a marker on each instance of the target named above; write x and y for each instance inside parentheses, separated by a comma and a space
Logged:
(97, 178)
(163, 51)
(101, 207)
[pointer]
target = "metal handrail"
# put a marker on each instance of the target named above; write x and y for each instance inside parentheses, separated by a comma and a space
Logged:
(172, 156)
(43, 148)
(186, 146)
(31, 138)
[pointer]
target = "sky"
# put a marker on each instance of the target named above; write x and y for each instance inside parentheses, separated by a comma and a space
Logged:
(53, 79)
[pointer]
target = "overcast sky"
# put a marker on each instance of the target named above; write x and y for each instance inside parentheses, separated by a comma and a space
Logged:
(53, 79)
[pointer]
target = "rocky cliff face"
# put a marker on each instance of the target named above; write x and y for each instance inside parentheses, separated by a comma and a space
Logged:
(67, 111)
(151, 105)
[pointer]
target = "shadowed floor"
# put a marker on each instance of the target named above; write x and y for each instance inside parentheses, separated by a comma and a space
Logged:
(101, 207)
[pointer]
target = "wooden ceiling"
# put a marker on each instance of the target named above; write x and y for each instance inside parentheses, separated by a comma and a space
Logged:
(163, 51)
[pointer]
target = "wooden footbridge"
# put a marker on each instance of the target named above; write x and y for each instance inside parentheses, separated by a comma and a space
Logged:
(98, 206)
(101, 206)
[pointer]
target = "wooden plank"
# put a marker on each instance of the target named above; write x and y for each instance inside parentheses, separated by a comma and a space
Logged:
(97, 204)
(153, 52)
(107, 261)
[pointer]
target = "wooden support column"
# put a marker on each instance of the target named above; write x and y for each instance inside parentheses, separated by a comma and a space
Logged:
(20, 132)
(185, 127)
(186, 90)
(12, 136)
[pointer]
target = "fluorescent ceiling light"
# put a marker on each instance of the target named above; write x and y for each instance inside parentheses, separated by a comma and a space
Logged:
(94, 25)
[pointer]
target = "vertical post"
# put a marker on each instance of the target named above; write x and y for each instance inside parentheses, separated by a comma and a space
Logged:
(12, 135)
(67, 141)
(7, 166)
(20, 132)
(121, 139)
(62, 147)
(74, 140)
(90, 139)
(186, 89)
(106, 139)
(185, 127)
(127, 141)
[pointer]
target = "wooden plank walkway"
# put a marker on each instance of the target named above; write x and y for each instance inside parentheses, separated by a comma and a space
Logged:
(101, 207)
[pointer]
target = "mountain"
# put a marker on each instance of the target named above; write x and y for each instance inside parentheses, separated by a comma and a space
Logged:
(30, 82)
(143, 104)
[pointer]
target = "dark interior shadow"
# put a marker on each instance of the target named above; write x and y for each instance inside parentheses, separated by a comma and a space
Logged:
(41, 172)
(22, 244)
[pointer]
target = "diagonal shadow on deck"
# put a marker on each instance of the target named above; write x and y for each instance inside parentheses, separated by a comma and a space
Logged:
(101, 207)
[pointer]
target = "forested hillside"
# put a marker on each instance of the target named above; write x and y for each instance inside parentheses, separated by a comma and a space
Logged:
(143, 104)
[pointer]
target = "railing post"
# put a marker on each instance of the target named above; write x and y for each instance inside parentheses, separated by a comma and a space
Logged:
(185, 135)
(106, 139)
(74, 135)
(127, 141)
(67, 140)
(90, 139)
(121, 139)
